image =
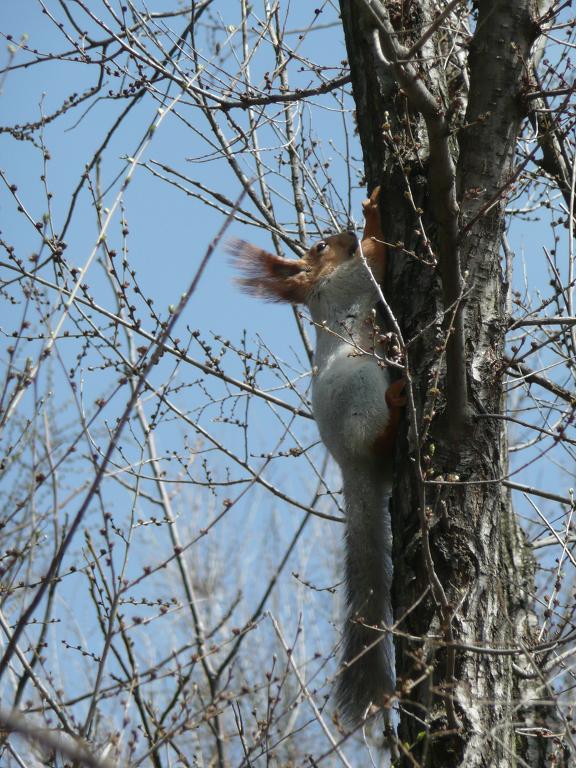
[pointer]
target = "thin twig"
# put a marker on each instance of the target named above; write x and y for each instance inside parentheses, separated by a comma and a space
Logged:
(75, 751)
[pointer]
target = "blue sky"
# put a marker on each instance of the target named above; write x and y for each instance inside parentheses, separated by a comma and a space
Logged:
(168, 234)
(169, 231)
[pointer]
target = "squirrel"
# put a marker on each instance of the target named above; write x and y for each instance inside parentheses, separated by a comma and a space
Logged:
(357, 409)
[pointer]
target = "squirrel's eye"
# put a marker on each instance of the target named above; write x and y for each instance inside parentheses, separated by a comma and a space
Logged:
(320, 247)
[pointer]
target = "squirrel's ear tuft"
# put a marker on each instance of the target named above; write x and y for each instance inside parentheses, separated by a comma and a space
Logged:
(268, 276)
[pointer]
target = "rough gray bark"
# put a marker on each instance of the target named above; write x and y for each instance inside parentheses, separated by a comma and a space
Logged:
(459, 707)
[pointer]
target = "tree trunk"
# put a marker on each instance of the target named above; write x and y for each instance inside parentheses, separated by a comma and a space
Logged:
(463, 570)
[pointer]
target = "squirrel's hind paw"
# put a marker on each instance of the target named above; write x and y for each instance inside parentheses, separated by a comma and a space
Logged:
(395, 396)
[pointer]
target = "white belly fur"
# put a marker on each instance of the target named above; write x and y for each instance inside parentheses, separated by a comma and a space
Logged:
(349, 403)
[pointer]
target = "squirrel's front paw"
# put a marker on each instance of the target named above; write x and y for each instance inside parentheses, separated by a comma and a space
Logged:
(370, 205)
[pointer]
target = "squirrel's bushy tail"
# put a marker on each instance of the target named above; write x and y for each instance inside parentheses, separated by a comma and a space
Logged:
(368, 651)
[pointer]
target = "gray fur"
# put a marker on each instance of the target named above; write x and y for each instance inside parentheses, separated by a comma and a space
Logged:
(349, 403)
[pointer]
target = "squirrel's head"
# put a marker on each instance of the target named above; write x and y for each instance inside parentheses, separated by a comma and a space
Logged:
(277, 279)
